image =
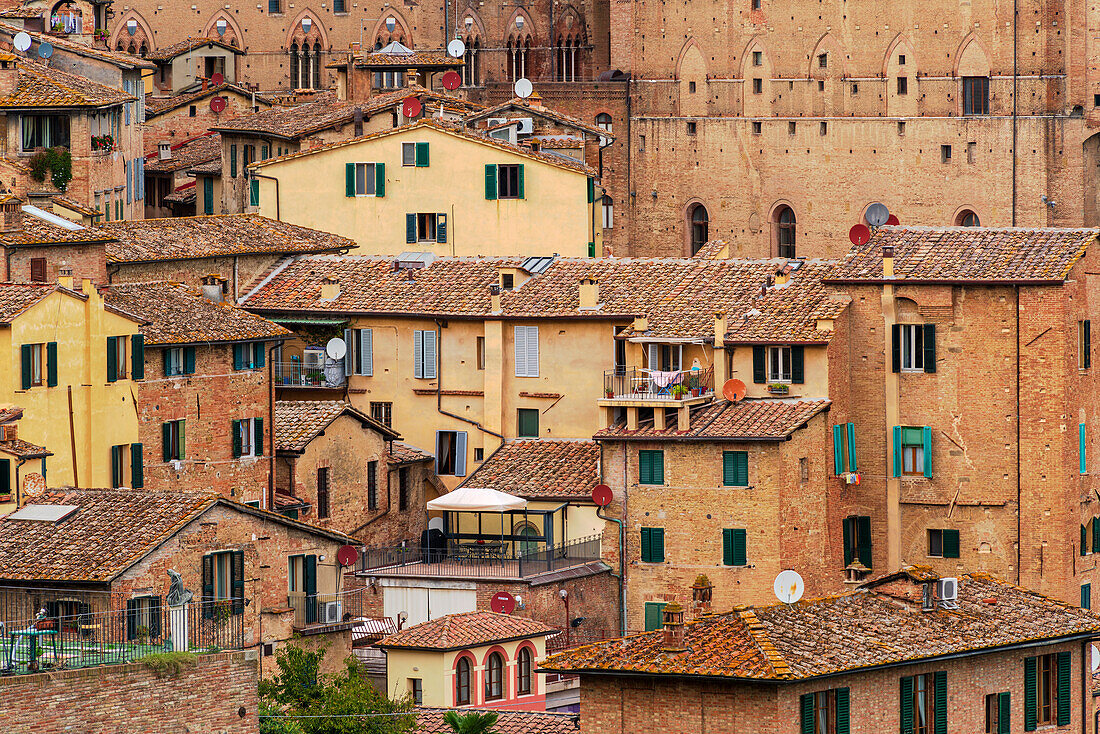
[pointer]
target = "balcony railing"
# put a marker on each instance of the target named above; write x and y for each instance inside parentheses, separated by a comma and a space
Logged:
(294, 374)
(488, 558)
(634, 383)
(310, 609)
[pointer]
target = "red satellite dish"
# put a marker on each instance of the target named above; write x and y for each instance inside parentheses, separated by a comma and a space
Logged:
(217, 79)
(411, 107)
(217, 104)
(451, 80)
(347, 555)
(601, 495)
(893, 220)
(734, 390)
(502, 603)
(859, 234)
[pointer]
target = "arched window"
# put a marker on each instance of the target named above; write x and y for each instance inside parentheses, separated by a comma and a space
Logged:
(494, 677)
(462, 682)
(470, 76)
(523, 671)
(603, 121)
(293, 66)
(700, 228)
(525, 54)
(608, 212)
(316, 65)
(967, 218)
(785, 232)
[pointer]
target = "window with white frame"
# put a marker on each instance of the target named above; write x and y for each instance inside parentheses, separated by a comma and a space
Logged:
(779, 364)
(608, 212)
(364, 179)
(912, 347)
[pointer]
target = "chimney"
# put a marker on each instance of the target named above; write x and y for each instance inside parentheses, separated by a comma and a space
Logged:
(494, 298)
(672, 634)
(887, 261)
(164, 151)
(720, 329)
(9, 74)
(928, 601)
(783, 277)
(641, 324)
(533, 144)
(590, 293)
(212, 287)
(65, 276)
(330, 288)
(358, 121)
(534, 101)
(701, 593)
(11, 213)
(205, 83)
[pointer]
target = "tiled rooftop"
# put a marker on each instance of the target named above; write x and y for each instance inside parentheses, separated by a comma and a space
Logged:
(47, 86)
(418, 58)
(178, 314)
(403, 453)
(37, 230)
(116, 58)
(183, 238)
(210, 168)
(713, 250)
(170, 52)
(297, 422)
(159, 105)
(15, 298)
(525, 107)
(751, 420)
(541, 468)
(861, 629)
(465, 630)
(430, 721)
(186, 154)
(678, 296)
(24, 449)
(967, 254)
(72, 205)
(292, 122)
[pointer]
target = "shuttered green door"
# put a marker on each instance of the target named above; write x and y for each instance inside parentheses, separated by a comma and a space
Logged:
(939, 682)
(906, 705)
(843, 711)
(1004, 714)
(807, 708)
(653, 612)
(734, 546)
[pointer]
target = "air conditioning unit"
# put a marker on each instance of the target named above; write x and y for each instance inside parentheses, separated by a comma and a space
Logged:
(313, 359)
(332, 612)
(948, 591)
(526, 125)
(507, 134)
(494, 121)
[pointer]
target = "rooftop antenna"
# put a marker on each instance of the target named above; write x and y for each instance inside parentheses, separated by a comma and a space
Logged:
(788, 586)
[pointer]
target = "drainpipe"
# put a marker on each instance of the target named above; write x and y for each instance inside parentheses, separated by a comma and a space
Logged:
(18, 493)
(271, 423)
(1019, 465)
(256, 174)
(622, 543)
(1085, 668)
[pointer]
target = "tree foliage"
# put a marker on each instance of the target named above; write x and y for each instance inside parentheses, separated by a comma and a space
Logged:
(472, 722)
(58, 162)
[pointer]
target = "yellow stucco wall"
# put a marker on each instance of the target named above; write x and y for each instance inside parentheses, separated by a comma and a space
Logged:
(103, 414)
(816, 383)
(554, 217)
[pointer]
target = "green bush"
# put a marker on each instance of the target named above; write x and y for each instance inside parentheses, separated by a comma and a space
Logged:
(168, 664)
(57, 162)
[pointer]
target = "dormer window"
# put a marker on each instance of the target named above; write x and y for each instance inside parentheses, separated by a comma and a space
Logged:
(507, 281)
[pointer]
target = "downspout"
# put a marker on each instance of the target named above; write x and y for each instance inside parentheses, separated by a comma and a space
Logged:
(271, 423)
(1019, 465)
(256, 174)
(18, 494)
(629, 156)
(622, 544)
(439, 387)
(1015, 96)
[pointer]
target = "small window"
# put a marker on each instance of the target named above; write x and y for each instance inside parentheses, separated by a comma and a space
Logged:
(654, 611)
(173, 436)
(426, 227)
(1096, 100)
(247, 437)
(507, 281)
(508, 182)
(779, 364)
(857, 540)
(912, 347)
(691, 128)
(757, 58)
(651, 467)
(691, 87)
(117, 345)
(603, 121)
(967, 218)
(945, 154)
(700, 227)
(37, 363)
(756, 4)
(734, 547)
(785, 232)
(823, 127)
(1084, 344)
(1086, 596)
(903, 85)
(912, 452)
(608, 211)
(322, 492)
(173, 362)
(821, 85)
(38, 270)
(372, 485)
(923, 703)
(901, 127)
(364, 179)
(494, 677)
(527, 423)
(735, 468)
(823, 61)
(1047, 689)
(641, 143)
(943, 543)
(804, 469)
(462, 682)
(791, 128)
(993, 713)
(975, 95)
(403, 489)
(971, 152)
(824, 709)
(416, 688)
(523, 671)
(855, 89)
(480, 347)
(450, 453)
(192, 111)
(479, 454)
(901, 59)
(382, 412)
(408, 154)
(757, 128)
(757, 85)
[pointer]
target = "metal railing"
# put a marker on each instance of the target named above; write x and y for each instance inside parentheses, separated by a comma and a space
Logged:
(118, 636)
(642, 384)
(490, 558)
(295, 374)
(311, 609)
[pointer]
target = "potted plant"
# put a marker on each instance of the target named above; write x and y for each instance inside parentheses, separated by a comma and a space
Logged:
(679, 391)
(609, 392)
(779, 388)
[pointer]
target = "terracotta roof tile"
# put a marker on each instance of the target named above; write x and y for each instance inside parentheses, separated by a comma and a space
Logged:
(182, 238)
(541, 468)
(297, 422)
(524, 107)
(464, 630)
(292, 122)
(170, 52)
(178, 314)
(24, 449)
(962, 254)
(713, 250)
(210, 168)
(403, 453)
(750, 420)
(48, 86)
(186, 155)
(10, 413)
(72, 205)
(418, 58)
(159, 105)
(115, 58)
(834, 634)
(185, 194)
(15, 298)
(430, 721)
(36, 230)
(22, 12)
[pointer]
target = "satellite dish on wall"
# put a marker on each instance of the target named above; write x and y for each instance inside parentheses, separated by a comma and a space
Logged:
(411, 107)
(859, 234)
(734, 390)
(524, 88)
(217, 79)
(22, 41)
(217, 104)
(601, 495)
(502, 603)
(877, 214)
(336, 348)
(347, 555)
(45, 50)
(451, 80)
(456, 48)
(893, 221)
(788, 586)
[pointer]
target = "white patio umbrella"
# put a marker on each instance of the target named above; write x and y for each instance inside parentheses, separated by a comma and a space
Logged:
(477, 499)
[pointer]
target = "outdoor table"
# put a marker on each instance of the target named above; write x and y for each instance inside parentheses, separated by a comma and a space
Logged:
(33, 636)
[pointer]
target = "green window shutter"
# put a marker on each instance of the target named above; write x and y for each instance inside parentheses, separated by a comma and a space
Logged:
(233, 161)
(441, 228)
(520, 192)
(591, 190)
(644, 544)
(182, 439)
(137, 357)
(852, 466)
(926, 441)
(645, 472)
(112, 358)
(807, 709)
(906, 705)
(116, 470)
(238, 356)
(759, 357)
(1063, 688)
(843, 711)
(1086, 596)
(847, 524)
(838, 450)
(895, 347)
(798, 365)
(658, 467)
(490, 181)
(410, 228)
(1081, 453)
(929, 347)
(421, 155)
(236, 579)
(207, 586)
(207, 195)
(1086, 346)
(653, 613)
(897, 451)
(166, 441)
(263, 152)
(5, 476)
(137, 466)
(51, 364)
(25, 357)
(592, 249)
(236, 430)
(1004, 716)
(863, 524)
(188, 360)
(1030, 708)
(258, 355)
(349, 179)
(735, 468)
(950, 543)
(1084, 540)
(254, 192)
(1095, 534)
(727, 546)
(740, 547)
(939, 681)
(657, 544)
(258, 436)
(379, 179)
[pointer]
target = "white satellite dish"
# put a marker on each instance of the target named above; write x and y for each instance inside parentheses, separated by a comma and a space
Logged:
(788, 586)
(336, 348)
(456, 48)
(877, 214)
(524, 88)
(22, 41)
(1095, 658)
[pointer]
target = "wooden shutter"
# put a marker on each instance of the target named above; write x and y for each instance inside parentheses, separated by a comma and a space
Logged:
(128, 167)
(863, 536)
(806, 708)
(895, 352)
(527, 351)
(740, 468)
(131, 619)
(258, 436)
(166, 440)
(1081, 453)
(653, 615)
(852, 466)
(366, 352)
(939, 682)
(926, 441)
(429, 354)
(490, 181)
(254, 192)
(1030, 708)
(137, 357)
(740, 547)
(51, 365)
(410, 228)
(112, 358)
(838, 450)
(258, 355)
(137, 466)
(519, 178)
(929, 347)
(906, 705)
(25, 358)
(349, 353)
(897, 451)
(1086, 343)
(237, 448)
(421, 155)
(238, 356)
(1063, 688)
(116, 470)
(848, 527)
(379, 179)
(950, 543)
(1096, 534)
(207, 586)
(1084, 541)
(181, 438)
(1004, 714)
(843, 711)
(1086, 596)
(759, 362)
(645, 469)
(236, 580)
(418, 354)
(727, 546)
(38, 269)
(591, 190)
(233, 161)
(441, 228)
(520, 343)
(460, 447)
(207, 195)
(798, 365)
(264, 153)
(188, 360)
(657, 545)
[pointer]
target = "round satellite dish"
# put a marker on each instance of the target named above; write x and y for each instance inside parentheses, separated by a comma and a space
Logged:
(524, 88)
(336, 348)
(601, 495)
(734, 390)
(893, 221)
(217, 104)
(451, 80)
(411, 107)
(22, 41)
(877, 214)
(502, 603)
(788, 586)
(45, 50)
(217, 79)
(456, 48)
(347, 555)
(859, 234)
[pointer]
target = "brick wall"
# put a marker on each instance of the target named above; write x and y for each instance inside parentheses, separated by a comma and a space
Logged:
(87, 261)
(208, 697)
(240, 271)
(179, 124)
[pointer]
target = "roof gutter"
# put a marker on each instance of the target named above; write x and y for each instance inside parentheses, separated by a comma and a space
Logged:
(942, 281)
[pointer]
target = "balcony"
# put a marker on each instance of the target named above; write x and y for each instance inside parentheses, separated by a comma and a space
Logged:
(634, 386)
(295, 374)
(326, 609)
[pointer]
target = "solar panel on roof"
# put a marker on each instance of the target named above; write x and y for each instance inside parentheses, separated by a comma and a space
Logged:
(43, 513)
(536, 265)
(52, 218)
(414, 259)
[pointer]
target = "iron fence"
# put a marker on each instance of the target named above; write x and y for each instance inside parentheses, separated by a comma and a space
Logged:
(642, 384)
(489, 558)
(327, 608)
(295, 374)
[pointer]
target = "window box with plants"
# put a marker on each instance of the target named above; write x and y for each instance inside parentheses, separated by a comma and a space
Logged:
(104, 143)
(779, 388)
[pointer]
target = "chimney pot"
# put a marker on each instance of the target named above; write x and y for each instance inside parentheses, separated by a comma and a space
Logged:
(589, 293)
(164, 150)
(330, 288)
(9, 74)
(212, 287)
(11, 213)
(641, 324)
(494, 298)
(720, 328)
(887, 261)
(65, 276)
(672, 634)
